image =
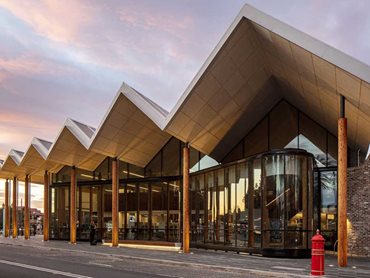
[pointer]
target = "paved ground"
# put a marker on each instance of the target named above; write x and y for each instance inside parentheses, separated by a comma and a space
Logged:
(99, 261)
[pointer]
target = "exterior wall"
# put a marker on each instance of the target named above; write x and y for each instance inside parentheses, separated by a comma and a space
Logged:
(359, 209)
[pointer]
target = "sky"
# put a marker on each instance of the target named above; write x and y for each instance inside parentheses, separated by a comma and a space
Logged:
(62, 59)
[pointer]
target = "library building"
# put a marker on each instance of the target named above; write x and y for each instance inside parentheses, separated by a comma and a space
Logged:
(267, 145)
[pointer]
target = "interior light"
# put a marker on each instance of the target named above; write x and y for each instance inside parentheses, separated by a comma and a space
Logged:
(87, 176)
(133, 174)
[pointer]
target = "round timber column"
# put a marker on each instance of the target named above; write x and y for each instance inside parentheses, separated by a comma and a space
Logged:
(14, 208)
(72, 216)
(27, 207)
(186, 208)
(45, 225)
(115, 192)
(7, 211)
(342, 192)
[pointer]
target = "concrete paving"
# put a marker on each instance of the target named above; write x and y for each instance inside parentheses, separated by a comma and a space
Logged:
(201, 260)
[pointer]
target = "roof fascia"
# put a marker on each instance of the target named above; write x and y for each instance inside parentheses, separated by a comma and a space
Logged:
(78, 133)
(153, 111)
(15, 156)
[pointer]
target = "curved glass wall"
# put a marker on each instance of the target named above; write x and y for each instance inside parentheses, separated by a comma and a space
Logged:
(263, 204)
(287, 202)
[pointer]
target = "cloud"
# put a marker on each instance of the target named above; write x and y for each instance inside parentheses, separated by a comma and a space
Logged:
(341, 24)
(59, 21)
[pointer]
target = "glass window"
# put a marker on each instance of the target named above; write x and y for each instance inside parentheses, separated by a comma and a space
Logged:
(84, 175)
(94, 203)
(207, 162)
(132, 210)
(235, 154)
(83, 211)
(332, 150)
(241, 207)
(107, 212)
(102, 172)
(312, 138)
(121, 211)
(283, 127)
(211, 208)
(123, 170)
(194, 160)
(135, 171)
(255, 179)
(59, 218)
(273, 201)
(257, 140)
(143, 218)
(154, 168)
(220, 206)
(230, 205)
(296, 201)
(159, 210)
(64, 175)
(171, 158)
(197, 197)
(174, 211)
(329, 204)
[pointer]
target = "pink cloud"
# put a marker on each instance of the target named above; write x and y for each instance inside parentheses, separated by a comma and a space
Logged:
(171, 24)
(59, 21)
(32, 64)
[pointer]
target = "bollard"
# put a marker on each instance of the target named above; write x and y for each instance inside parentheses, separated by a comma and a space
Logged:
(317, 255)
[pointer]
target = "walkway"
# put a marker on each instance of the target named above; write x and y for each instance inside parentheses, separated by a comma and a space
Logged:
(261, 266)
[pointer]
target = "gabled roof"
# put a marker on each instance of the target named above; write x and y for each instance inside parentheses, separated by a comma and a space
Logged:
(34, 159)
(12, 168)
(132, 128)
(259, 61)
(235, 86)
(71, 147)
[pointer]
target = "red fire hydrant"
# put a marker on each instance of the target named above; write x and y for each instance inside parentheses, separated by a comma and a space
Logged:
(317, 255)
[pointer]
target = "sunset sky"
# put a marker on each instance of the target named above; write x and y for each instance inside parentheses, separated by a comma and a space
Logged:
(62, 59)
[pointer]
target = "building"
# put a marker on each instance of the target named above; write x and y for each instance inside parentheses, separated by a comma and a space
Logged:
(250, 159)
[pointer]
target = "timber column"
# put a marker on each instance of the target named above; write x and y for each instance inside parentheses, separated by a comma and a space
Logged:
(14, 208)
(7, 212)
(72, 216)
(45, 225)
(185, 200)
(115, 192)
(342, 186)
(27, 208)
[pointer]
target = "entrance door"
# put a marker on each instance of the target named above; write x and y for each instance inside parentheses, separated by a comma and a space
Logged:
(326, 204)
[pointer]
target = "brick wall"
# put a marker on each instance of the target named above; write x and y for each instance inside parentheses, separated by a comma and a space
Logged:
(359, 209)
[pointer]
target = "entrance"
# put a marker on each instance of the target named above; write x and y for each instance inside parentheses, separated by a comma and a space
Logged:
(326, 204)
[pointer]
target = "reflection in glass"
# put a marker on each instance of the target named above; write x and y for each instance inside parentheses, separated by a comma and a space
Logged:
(83, 212)
(132, 211)
(143, 219)
(287, 201)
(255, 180)
(159, 211)
(242, 212)
(274, 197)
(174, 211)
(329, 204)
(59, 218)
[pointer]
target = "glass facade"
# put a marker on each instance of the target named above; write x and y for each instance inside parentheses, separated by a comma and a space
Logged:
(285, 127)
(276, 186)
(264, 203)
